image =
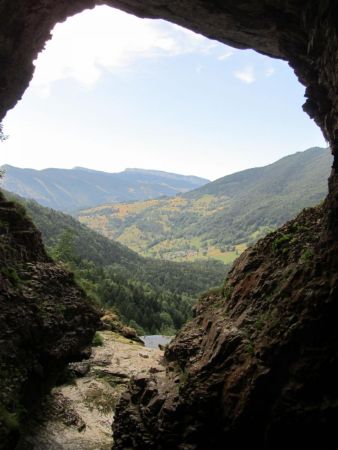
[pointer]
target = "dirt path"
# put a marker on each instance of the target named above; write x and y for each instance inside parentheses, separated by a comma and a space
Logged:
(78, 415)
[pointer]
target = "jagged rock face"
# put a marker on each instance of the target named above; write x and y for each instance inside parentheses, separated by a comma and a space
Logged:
(45, 320)
(258, 364)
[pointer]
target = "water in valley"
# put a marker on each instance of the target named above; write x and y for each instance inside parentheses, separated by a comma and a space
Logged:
(153, 341)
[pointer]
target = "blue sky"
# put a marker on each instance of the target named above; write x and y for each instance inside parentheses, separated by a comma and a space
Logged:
(112, 91)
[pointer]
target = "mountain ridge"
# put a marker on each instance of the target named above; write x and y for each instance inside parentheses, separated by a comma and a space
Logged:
(78, 188)
(221, 218)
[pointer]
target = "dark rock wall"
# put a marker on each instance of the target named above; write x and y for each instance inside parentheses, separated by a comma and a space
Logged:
(257, 367)
(319, 74)
(46, 320)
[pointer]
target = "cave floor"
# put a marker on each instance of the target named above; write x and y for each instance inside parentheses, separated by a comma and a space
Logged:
(79, 414)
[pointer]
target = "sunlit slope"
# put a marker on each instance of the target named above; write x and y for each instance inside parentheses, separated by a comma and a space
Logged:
(221, 218)
(190, 279)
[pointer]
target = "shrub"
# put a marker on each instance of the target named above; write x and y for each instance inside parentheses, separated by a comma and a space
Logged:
(97, 340)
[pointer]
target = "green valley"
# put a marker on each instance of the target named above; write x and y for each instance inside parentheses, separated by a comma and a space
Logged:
(220, 219)
(150, 295)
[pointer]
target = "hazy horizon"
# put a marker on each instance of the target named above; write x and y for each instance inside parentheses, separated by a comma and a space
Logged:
(152, 169)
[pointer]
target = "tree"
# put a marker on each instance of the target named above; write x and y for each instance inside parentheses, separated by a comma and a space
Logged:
(64, 249)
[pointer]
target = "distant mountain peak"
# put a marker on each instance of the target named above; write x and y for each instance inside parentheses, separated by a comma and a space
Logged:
(164, 174)
(85, 169)
(79, 188)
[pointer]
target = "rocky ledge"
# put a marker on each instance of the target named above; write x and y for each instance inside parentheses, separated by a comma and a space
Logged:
(78, 414)
(46, 321)
(258, 364)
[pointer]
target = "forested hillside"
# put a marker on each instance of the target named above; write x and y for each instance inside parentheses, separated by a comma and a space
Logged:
(72, 189)
(152, 296)
(222, 218)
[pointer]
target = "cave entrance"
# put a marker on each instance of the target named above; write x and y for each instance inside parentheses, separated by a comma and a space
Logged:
(111, 92)
(279, 33)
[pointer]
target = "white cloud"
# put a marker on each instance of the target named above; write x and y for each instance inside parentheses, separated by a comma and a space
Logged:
(225, 55)
(108, 39)
(247, 75)
(269, 71)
